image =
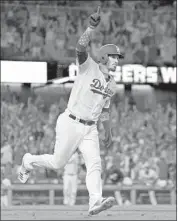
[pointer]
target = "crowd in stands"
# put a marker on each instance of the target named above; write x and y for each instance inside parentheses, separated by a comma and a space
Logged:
(49, 30)
(143, 149)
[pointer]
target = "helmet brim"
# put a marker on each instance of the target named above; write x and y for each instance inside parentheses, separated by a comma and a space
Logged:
(120, 55)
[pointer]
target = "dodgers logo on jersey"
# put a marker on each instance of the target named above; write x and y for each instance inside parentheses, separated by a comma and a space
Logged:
(98, 88)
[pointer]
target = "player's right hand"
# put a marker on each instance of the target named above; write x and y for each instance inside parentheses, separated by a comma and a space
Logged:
(95, 19)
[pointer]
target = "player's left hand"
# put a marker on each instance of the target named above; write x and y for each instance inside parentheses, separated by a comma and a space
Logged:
(108, 139)
(95, 18)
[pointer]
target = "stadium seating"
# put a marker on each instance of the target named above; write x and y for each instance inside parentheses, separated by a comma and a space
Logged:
(46, 31)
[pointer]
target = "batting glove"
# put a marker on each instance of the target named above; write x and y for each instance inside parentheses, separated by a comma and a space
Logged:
(95, 19)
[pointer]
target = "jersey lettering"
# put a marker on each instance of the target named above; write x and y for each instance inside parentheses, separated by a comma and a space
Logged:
(98, 88)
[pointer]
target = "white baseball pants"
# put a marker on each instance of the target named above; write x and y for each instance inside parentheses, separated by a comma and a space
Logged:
(71, 135)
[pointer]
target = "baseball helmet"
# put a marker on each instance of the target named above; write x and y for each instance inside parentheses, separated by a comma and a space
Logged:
(106, 50)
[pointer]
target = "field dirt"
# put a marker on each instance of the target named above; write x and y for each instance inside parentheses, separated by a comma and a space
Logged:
(80, 212)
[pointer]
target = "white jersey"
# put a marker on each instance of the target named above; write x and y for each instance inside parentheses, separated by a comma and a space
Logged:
(90, 93)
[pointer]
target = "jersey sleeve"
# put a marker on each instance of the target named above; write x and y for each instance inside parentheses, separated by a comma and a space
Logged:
(84, 67)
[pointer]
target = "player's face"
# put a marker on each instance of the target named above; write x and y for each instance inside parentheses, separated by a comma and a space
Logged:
(113, 62)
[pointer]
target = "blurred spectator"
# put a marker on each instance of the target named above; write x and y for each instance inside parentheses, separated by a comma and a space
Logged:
(162, 170)
(6, 154)
(7, 159)
(139, 54)
(4, 197)
(35, 18)
(70, 180)
(50, 32)
(105, 19)
(36, 43)
(153, 52)
(172, 175)
(144, 27)
(148, 176)
(38, 133)
(167, 46)
(134, 33)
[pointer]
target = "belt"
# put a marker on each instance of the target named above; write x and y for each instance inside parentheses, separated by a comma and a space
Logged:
(85, 122)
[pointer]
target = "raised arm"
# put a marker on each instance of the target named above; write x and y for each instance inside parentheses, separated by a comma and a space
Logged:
(83, 42)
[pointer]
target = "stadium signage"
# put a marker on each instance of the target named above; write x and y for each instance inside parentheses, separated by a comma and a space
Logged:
(23, 72)
(138, 74)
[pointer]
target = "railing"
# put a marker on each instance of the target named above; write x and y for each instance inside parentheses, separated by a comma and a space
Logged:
(51, 188)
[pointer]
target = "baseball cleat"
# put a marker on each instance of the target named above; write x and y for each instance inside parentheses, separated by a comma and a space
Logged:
(24, 172)
(104, 205)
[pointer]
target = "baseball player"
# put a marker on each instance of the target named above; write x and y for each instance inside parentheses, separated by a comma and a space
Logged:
(77, 126)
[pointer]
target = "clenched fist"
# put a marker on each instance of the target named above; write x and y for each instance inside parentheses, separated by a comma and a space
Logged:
(95, 19)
